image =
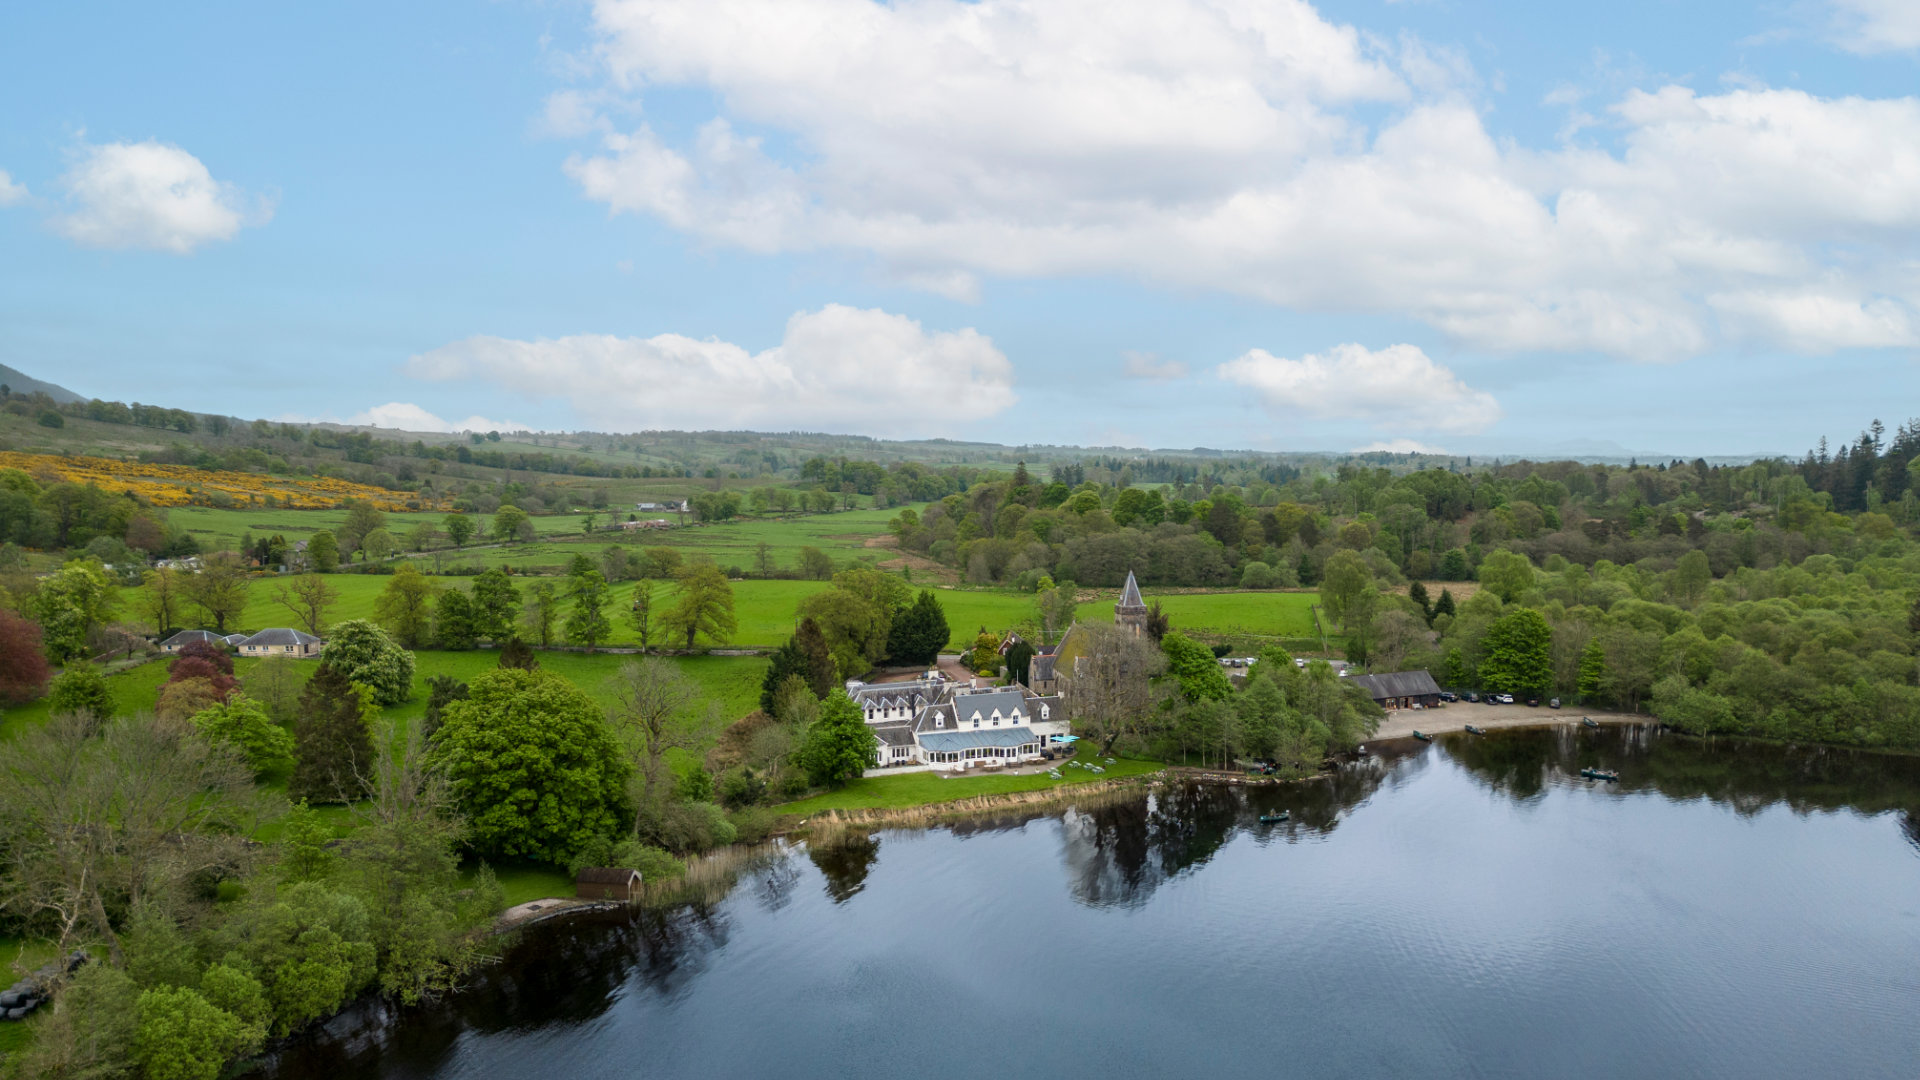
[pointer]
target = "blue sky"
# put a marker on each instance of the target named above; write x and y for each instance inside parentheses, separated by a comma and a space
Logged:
(1482, 227)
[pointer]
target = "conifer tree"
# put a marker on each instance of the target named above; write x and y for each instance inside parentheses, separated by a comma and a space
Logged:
(333, 749)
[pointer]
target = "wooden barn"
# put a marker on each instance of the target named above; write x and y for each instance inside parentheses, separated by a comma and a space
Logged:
(1400, 689)
(607, 883)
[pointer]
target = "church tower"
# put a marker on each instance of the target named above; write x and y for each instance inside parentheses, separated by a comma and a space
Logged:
(1131, 611)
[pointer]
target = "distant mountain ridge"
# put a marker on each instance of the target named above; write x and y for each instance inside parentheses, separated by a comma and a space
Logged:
(22, 383)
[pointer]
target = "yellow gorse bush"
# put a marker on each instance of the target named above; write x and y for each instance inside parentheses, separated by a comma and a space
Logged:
(183, 485)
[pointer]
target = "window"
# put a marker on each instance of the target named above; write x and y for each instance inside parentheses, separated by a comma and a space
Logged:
(1043, 712)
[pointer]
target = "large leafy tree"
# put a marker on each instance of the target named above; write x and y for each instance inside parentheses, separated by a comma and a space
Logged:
(839, 746)
(405, 606)
(496, 605)
(532, 766)
(587, 622)
(705, 607)
(243, 723)
(1519, 653)
(24, 672)
(1506, 574)
(69, 602)
(453, 621)
(368, 655)
(1193, 664)
(459, 528)
(219, 589)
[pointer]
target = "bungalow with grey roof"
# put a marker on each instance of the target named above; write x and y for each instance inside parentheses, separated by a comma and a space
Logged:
(281, 641)
(188, 637)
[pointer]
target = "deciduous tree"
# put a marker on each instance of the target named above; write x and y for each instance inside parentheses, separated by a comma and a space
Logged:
(839, 746)
(24, 672)
(532, 766)
(309, 597)
(587, 595)
(405, 606)
(705, 607)
(368, 655)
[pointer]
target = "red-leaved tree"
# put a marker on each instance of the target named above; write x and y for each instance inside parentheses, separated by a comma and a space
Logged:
(24, 673)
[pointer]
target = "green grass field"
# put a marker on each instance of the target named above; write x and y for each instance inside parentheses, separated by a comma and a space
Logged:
(765, 610)
(919, 789)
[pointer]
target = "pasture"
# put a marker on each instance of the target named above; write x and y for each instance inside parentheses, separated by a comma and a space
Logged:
(765, 609)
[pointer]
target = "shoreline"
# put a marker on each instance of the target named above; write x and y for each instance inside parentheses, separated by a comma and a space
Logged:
(1402, 723)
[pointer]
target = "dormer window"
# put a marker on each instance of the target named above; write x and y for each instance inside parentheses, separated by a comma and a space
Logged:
(1043, 712)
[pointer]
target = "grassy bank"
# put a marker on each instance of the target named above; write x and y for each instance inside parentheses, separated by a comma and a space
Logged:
(927, 788)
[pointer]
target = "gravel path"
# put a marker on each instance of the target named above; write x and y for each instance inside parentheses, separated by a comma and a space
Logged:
(1401, 723)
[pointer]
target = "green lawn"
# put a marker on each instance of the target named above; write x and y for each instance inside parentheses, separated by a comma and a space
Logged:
(918, 789)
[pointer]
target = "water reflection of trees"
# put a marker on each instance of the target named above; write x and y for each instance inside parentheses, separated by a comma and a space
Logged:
(558, 975)
(845, 862)
(1118, 853)
(1746, 775)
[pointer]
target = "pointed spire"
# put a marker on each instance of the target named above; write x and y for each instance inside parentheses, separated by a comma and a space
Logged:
(1130, 596)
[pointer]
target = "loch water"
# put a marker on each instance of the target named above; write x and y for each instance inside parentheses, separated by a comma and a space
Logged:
(1468, 908)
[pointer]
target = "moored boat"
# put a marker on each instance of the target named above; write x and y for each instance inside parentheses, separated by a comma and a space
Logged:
(1588, 721)
(1268, 819)
(1472, 730)
(1423, 736)
(1607, 775)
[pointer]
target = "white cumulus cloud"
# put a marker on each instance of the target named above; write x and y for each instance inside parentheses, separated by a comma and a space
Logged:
(839, 368)
(1872, 26)
(10, 192)
(1398, 386)
(151, 195)
(1399, 446)
(1258, 148)
(406, 416)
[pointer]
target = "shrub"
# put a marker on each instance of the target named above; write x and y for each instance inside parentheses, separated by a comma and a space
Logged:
(81, 690)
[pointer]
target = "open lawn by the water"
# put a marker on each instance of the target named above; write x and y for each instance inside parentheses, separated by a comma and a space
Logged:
(921, 788)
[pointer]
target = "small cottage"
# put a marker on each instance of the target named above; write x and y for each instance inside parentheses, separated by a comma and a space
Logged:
(607, 883)
(188, 637)
(280, 642)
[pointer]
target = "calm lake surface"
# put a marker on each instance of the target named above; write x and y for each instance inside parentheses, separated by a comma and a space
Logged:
(1469, 908)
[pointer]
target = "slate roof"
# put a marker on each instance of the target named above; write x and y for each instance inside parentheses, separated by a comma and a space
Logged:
(1054, 712)
(1041, 669)
(1006, 700)
(946, 742)
(1130, 596)
(281, 636)
(188, 637)
(1397, 684)
(894, 732)
(925, 721)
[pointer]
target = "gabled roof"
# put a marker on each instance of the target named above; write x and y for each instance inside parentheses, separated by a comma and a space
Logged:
(188, 637)
(1041, 668)
(894, 732)
(948, 741)
(1005, 700)
(280, 635)
(1130, 596)
(926, 721)
(1397, 684)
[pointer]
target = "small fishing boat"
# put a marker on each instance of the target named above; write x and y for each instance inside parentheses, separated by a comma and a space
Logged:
(1471, 730)
(1588, 721)
(1607, 775)
(1423, 736)
(1268, 819)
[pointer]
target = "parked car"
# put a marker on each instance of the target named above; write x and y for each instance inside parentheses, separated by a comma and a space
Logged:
(1503, 699)
(1473, 697)
(1448, 695)
(1553, 703)
(1533, 703)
